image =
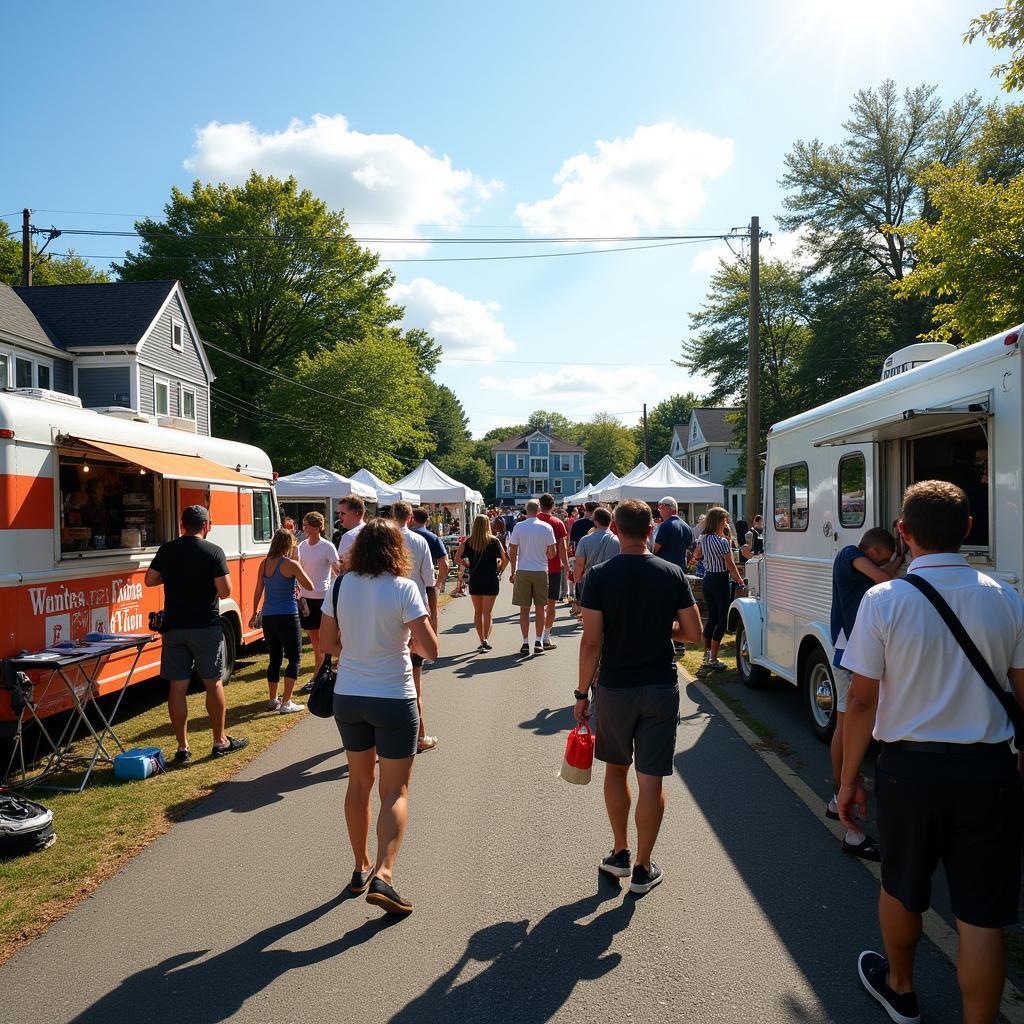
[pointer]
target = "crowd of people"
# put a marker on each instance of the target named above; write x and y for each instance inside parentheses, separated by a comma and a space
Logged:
(912, 657)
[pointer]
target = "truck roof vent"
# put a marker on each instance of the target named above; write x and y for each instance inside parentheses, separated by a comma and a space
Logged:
(44, 395)
(122, 412)
(177, 423)
(914, 355)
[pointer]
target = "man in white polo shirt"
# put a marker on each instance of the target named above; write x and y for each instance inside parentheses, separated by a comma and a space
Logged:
(947, 782)
(531, 545)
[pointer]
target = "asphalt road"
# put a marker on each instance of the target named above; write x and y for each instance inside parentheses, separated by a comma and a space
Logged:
(238, 914)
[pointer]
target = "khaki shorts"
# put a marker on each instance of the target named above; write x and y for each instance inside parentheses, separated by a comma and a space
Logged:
(530, 587)
(843, 679)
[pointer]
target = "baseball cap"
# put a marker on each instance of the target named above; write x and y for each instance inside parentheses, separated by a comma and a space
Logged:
(195, 517)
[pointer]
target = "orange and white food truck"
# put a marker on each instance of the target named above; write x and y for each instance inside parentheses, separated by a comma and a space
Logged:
(86, 498)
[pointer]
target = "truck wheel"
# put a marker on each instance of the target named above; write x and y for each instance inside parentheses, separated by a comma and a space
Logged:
(230, 649)
(819, 690)
(754, 676)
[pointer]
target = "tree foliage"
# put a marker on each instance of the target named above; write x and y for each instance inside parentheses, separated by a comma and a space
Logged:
(368, 405)
(846, 197)
(270, 273)
(1003, 29)
(661, 421)
(972, 258)
(611, 447)
(46, 267)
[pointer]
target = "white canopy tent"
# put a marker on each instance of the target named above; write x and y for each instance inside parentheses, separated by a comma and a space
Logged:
(595, 489)
(605, 494)
(316, 485)
(666, 478)
(387, 494)
(437, 488)
(579, 497)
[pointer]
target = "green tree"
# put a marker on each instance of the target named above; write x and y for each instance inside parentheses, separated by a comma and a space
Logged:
(473, 466)
(47, 268)
(972, 258)
(718, 347)
(998, 150)
(561, 426)
(367, 404)
(446, 421)
(270, 274)
(848, 197)
(661, 421)
(1003, 29)
(610, 447)
(425, 348)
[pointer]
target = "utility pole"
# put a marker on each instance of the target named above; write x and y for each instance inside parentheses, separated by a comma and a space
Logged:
(26, 248)
(753, 373)
(647, 447)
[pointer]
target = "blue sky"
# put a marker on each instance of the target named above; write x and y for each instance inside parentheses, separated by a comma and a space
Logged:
(454, 119)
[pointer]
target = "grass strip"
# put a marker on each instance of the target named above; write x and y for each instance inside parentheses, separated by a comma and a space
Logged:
(719, 682)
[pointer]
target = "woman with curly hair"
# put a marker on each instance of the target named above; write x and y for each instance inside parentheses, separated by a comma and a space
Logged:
(378, 609)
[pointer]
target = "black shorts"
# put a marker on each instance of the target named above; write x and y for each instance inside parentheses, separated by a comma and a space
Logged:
(417, 659)
(391, 725)
(312, 620)
(554, 585)
(962, 810)
(637, 722)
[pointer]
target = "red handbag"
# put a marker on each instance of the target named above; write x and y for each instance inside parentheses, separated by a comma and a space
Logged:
(579, 756)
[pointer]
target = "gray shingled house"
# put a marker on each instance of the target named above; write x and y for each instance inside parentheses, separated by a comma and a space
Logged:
(705, 447)
(121, 344)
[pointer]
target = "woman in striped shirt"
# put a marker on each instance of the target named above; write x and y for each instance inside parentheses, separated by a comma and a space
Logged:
(715, 550)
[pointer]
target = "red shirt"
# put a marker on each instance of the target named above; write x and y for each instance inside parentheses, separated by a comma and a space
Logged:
(556, 524)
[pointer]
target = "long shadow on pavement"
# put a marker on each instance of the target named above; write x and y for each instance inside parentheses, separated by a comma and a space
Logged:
(241, 796)
(526, 980)
(550, 721)
(185, 987)
(486, 664)
(821, 904)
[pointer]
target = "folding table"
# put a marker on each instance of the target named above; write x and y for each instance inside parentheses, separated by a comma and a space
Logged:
(77, 669)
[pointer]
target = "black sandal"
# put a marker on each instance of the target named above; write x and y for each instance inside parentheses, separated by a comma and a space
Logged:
(233, 744)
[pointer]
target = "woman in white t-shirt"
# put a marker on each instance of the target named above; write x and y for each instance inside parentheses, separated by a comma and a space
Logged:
(319, 557)
(375, 697)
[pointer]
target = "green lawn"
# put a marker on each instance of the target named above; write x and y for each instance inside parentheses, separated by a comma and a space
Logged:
(101, 828)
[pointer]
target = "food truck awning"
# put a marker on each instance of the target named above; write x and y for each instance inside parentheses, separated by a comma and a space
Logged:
(173, 466)
(909, 423)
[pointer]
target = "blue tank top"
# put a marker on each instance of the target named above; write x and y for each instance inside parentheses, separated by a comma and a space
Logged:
(279, 593)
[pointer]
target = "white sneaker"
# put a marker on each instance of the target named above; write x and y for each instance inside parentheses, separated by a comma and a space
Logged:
(290, 708)
(274, 705)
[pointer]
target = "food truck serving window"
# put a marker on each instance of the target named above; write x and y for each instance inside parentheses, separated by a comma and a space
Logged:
(262, 526)
(107, 504)
(852, 491)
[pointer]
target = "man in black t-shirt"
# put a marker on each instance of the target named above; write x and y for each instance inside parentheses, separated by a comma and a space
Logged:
(629, 607)
(195, 577)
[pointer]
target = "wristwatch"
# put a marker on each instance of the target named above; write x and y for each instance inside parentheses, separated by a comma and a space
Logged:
(581, 696)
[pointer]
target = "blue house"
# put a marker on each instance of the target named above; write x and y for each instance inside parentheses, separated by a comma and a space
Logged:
(119, 345)
(536, 462)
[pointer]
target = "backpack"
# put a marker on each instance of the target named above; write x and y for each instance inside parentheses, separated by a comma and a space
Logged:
(25, 826)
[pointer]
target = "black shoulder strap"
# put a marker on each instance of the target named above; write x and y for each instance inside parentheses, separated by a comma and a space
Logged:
(974, 656)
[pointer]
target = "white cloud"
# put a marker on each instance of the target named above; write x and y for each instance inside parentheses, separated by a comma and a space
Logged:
(581, 391)
(653, 179)
(385, 183)
(465, 328)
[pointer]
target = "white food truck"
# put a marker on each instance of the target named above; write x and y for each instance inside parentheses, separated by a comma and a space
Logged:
(833, 472)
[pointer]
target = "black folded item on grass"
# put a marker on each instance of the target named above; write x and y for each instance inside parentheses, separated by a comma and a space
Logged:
(25, 826)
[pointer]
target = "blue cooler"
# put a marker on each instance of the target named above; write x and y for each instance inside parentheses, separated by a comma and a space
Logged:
(139, 763)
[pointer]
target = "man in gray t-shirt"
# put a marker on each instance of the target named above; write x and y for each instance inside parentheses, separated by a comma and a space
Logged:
(596, 547)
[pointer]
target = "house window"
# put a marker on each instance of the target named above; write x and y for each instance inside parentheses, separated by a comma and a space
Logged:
(556, 485)
(22, 372)
(852, 491)
(577, 486)
(5, 370)
(177, 334)
(520, 462)
(538, 465)
(790, 492)
(566, 464)
(262, 525)
(161, 396)
(43, 376)
(538, 486)
(188, 403)
(506, 485)
(522, 486)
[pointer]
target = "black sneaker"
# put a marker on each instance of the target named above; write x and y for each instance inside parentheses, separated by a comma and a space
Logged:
(616, 864)
(873, 969)
(645, 879)
(538, 647)
(384, 896)
(525, 649)
(360, 881)
(305, 691)
(182, 757)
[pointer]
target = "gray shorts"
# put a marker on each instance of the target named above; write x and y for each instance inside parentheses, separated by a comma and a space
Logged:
(843, 678)
(637, 722)
(183, 649)
(391, 725)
